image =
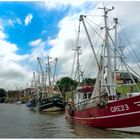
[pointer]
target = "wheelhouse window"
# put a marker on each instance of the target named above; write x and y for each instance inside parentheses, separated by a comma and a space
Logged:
(85, 96)
(89, 95)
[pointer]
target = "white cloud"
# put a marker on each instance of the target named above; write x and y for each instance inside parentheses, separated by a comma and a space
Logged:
(2, 35)
(127, 12)
(13, 71)
(38, 49)
(28, 19)
(62, 3)
(12, 21)
(19, 21)
(13, 75)
(35, 42)
(66, 40)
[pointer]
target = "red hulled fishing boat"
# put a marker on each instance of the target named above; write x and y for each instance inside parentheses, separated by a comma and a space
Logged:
(105, 107)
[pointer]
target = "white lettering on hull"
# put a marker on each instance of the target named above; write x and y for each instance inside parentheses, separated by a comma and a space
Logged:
(119, 108)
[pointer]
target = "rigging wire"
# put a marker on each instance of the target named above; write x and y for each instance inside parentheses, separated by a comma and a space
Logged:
(117, 51)
(130, 46)
(93, 22)
(91, 66)
(90, 56)
(94, 29)
(122, 60)
(99, 36)
(87, 21)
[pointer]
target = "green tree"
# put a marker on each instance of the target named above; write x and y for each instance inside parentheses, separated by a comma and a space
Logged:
(89, 81)
(2, 95)
(66, 84)
(2, 92)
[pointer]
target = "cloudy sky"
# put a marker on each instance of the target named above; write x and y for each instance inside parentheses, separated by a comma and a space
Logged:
(49, 28)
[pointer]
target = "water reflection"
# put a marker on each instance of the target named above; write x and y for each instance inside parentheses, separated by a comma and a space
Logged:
(16, 121)
(83, 131)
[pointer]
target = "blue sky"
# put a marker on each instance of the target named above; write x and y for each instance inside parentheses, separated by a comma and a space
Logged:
(44, 23)
(49, 28)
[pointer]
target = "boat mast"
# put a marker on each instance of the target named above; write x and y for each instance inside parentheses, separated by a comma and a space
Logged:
(78, 62)
(56, 59)
(34, 80)
(109, 72)
(78, 52)
(42, 73)
(115, 51)
(81, 19)
(110, 77)
(49, 71)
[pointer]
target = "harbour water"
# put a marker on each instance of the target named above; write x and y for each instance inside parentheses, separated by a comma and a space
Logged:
(16, 121)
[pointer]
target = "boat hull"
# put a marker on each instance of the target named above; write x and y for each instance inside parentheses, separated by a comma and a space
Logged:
(135, 129)
(54, 103)
(120, 114)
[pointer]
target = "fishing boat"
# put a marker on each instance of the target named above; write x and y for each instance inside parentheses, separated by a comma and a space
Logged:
(46, 97)
(54, 103)
(106, 108)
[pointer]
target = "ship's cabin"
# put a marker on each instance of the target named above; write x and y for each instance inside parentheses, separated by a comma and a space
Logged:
(82, 93)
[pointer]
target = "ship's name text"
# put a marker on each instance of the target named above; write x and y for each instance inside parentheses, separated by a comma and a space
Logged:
(119, 108)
